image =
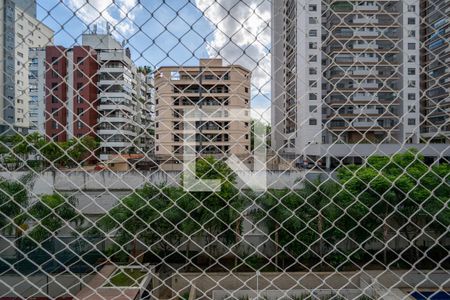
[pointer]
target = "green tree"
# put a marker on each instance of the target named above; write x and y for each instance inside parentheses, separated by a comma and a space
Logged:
(53, 153)
(130, 218)
(78, 150)
(320, 209)
(13, 200)
(220, 212)
(399, 192)
(50, 214)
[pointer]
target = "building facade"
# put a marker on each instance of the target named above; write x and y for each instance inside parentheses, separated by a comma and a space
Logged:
(344, 72)
(20, 31)
(208, 85)
(435, 61)
(71, 92)
(37, 90)
(95, 89)
(124, 106)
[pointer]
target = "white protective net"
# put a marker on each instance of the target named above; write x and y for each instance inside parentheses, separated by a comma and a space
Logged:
(224, 149)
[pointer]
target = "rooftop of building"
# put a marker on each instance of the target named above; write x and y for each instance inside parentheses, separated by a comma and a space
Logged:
(211, 63)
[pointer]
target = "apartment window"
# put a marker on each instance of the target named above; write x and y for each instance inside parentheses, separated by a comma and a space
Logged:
(313, 45)
(312, 96)
(156, 124)
(411, 8)
(55, 112)
(55, 99)
(80, 124)
(411, 33)
(411, 21)
(411, 108)
(54, 86)
(312, 108)
(80, 111)
(54, 125)
(411, 58)
(79, 99)
(411, 83)
(411, 121)
(312, 20)
(54, 60)
(80, 61)
(411, 96)
(79, 74)
(246, 89)
(20, 54)
(313, 33)
(313, 83)
(246, 136)
(312, 7)
(312, 71)
(157, 136)
(411, 71)
(411, 46)
(312, 121)
(313, 58)
(54, 74)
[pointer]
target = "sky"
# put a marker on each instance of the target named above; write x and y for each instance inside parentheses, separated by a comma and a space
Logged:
(176, 32)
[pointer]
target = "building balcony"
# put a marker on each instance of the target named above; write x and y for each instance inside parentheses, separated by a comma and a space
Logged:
(365, 111)
(362, 59)
(112, 107)
(365, 46)
(367, 7)
(116, 144)
(364, 97)
(365, 20)
(364, 72)
(118, 94)
(365, 33)
(116, 132)
(108, 82)
(112, 119)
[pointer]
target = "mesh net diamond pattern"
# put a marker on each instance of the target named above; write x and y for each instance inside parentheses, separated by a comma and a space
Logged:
(225, 149)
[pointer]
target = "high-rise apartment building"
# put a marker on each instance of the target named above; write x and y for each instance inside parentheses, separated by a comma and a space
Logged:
(212, 85)
(71, 92)
(344, 72)
(95, 89)
(19, 30)
(37, 90)
(435, 61)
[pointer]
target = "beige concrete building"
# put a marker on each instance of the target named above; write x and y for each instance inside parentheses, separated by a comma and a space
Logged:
(19, 31)
(212, 86)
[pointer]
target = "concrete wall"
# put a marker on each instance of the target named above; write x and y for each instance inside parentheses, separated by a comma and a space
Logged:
(206, 283)
(24, 286)
(86, 182)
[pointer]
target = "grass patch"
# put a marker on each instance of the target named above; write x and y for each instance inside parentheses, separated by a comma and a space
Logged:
(127, 278)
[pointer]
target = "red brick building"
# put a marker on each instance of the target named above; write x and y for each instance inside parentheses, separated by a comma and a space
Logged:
(71, 92)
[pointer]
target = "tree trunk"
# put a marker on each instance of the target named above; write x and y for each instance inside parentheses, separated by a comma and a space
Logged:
(188, 248)
(276, 245)
(237, 236)
(134, 252)
(320, 231)
(385, 239)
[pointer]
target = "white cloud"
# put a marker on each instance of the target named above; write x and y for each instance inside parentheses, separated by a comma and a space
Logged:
(241, 36)
(120, 14)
